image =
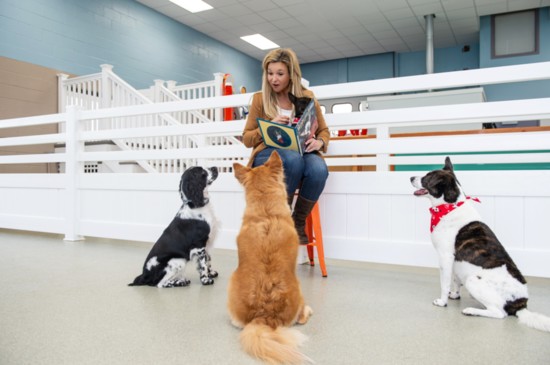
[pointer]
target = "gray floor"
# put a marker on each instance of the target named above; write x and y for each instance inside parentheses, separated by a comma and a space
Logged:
(68, 303)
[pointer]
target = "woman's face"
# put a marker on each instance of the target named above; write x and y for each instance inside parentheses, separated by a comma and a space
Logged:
(278, 76)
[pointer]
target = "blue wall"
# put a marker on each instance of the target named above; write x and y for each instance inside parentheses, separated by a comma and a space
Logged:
(387, 65)
(371, 67)
(445, 60)
(326, 72)
(79, 35)
(535, 89)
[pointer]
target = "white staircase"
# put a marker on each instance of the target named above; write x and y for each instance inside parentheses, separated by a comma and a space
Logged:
(106, 90)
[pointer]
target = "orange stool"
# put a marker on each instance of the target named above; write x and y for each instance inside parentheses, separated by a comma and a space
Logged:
(315, 235)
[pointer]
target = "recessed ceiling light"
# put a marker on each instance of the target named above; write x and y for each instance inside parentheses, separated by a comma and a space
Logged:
(194, 6)
(258, 40)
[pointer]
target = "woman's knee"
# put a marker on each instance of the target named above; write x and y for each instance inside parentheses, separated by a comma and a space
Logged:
(292, 162)
(316, 168)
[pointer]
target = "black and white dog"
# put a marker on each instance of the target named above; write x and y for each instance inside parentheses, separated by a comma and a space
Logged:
(471, 255)
(189, 236)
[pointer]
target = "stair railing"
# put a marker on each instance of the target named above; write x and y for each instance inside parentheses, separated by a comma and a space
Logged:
(200, 90)
(106, 89)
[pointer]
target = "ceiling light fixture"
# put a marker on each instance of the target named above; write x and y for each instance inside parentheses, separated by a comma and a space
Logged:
(194, 6)
(259, 41)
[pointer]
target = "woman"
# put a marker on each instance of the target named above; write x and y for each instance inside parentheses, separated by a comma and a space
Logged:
(281, 75)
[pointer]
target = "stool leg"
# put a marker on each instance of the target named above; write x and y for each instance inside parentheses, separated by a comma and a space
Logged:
(315, 236)
(319, 241)
(309, 233)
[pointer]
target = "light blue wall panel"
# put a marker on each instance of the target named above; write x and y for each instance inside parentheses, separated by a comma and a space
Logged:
(361, 68)
(386, 65)
(79, 35)
(325, 72)
(536, 89)
(412, 63)
(372, 67)
(445, 60)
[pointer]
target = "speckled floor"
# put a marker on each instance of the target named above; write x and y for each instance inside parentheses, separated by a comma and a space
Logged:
(68, 303)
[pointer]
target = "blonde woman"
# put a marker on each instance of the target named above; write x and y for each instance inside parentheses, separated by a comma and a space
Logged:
(281, 75)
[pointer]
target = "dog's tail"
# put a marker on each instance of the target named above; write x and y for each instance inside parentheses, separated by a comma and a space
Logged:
(137, 281)
(143, 279)
(274, 346)
(534, 320)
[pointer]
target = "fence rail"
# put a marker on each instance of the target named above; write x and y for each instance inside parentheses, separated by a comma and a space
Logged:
(381, 121)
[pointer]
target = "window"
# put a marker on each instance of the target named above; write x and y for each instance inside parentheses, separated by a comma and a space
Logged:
(342, 108)
(515, 34)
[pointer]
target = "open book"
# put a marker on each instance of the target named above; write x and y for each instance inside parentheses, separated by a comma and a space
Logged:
(292, 136)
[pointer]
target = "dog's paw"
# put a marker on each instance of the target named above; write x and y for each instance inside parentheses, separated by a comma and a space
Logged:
(176, 283)
(212, 274)
(207, 281)
(470, 311)
(182, 282)
(304, 315)
(440, 302)
(454, 296)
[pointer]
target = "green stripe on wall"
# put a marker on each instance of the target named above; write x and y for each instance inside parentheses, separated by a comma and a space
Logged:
(474, 167)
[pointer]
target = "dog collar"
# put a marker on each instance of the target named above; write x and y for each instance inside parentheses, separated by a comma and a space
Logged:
(442, 210)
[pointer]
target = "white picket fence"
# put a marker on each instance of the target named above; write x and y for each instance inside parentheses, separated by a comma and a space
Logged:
(366, 215)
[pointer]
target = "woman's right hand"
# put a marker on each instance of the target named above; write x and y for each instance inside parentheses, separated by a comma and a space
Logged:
(281, 119)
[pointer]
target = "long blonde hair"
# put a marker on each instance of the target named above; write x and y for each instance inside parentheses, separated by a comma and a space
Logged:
(288, 57)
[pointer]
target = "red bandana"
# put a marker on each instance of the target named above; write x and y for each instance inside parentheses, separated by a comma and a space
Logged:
(442, 210)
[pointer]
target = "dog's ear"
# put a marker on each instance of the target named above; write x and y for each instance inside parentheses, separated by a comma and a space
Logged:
(450, 167)
(451, 193)
(448, 164)
(182, 193)
(274, 163)
(240, 171)
(292, 98)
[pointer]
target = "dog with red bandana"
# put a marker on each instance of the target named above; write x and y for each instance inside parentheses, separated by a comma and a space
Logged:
(471, 255)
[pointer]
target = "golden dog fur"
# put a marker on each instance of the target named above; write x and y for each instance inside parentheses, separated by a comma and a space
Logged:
(264, 295)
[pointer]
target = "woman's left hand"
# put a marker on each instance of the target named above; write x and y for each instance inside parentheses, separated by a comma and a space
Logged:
(313, 144)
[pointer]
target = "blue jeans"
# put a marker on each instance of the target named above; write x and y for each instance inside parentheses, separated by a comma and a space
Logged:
(310, 169)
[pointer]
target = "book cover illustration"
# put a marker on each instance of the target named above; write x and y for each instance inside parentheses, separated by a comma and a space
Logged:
(290, 137)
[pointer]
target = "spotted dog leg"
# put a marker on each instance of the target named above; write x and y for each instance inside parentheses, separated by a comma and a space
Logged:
(211, 273)
(455, 288)
(175, 268)
(202, 266)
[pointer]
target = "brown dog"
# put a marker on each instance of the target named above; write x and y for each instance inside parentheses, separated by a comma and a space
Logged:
(264, 295)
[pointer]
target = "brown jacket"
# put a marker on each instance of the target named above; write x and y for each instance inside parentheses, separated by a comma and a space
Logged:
(252, 137)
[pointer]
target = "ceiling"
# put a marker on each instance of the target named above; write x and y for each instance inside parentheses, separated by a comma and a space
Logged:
(320, 30)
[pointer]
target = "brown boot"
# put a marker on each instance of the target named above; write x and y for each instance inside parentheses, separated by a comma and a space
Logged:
(301, 210)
